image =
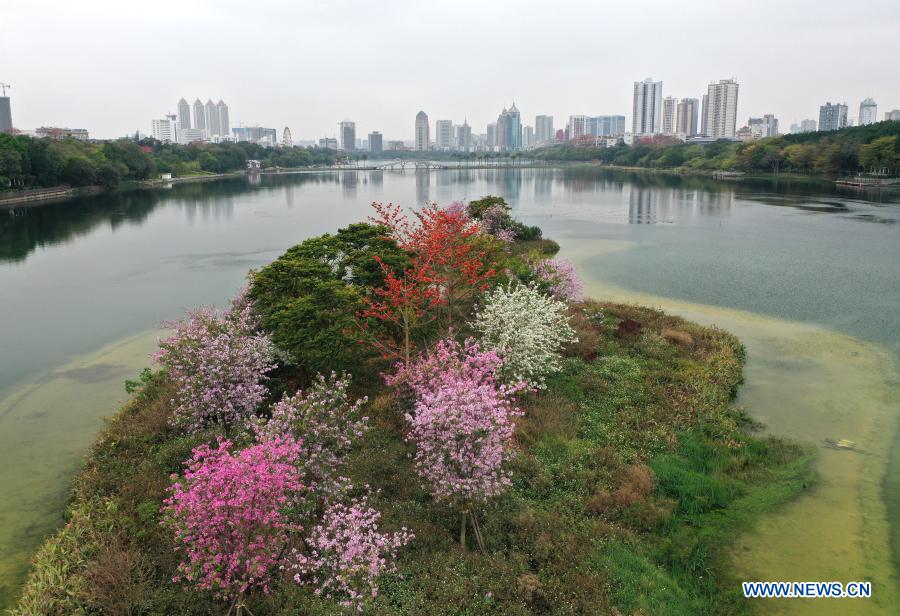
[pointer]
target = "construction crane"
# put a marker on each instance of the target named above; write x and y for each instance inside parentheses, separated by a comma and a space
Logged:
(3, 87)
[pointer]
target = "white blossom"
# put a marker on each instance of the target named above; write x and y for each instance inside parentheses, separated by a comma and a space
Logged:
(527, 329)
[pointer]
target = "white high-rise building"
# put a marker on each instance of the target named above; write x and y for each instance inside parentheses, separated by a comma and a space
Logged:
(892, 116)
(490, 135)
(184, 114)
(199, 115)
(423, 140)
(212, 119)
(686, 117)
(166, 129)
(669, 115)
(868, 112)
(647, 108)
(766, 126)
(224, 124)
(721, 109)
(528, 137)
(543, 129)
(443, 134)
(704, 130)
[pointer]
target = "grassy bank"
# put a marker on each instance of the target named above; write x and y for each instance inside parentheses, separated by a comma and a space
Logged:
(633, 473)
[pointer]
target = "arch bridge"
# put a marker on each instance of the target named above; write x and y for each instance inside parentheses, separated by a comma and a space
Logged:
(412, 164)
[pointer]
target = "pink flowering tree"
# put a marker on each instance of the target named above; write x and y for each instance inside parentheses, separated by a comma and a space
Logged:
(328, 423)
(462, 425)
(231, 516)
(560, 278)
(217, 362)
(346, 553)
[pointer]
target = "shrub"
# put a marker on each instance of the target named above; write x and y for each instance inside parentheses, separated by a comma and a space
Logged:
(527, 330)
(217, 362)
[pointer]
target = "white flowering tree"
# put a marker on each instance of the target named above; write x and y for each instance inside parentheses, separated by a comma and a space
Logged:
(527, 329)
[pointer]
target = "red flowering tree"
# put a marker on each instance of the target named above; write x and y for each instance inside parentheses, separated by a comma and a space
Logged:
(449, 266)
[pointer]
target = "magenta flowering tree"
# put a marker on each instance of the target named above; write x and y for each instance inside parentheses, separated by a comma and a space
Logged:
(462, 424)
(327, 422)
(230, 515)
(346, 553)
(217, 362)
(561, 279)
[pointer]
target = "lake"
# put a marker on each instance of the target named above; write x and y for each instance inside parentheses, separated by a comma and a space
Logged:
(807, 275)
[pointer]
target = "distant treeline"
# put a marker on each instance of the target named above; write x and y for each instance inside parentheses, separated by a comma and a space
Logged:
(875, 147)
(26, 162)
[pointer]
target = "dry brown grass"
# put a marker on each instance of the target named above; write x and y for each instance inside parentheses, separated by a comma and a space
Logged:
(678, 337)
(547, 413)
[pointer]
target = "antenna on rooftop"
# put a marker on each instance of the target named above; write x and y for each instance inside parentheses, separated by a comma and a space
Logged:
(4, 86)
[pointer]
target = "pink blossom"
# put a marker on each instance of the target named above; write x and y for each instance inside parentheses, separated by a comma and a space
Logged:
(229, 515)
(217, 362)
(326, 421)
(347, 553)
(463, 421)
(561, 278)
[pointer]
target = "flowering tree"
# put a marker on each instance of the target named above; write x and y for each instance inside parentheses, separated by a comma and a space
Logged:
(328, 424)
(560, 277)
(444, 251)
(527, 329)
(346, 553)
(229, 516)
(217, 362)
(462, 424)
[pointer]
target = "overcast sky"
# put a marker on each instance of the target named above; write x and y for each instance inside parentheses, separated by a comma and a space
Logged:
(112, 65)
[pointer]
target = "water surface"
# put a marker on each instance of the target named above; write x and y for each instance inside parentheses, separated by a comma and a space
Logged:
(809, 278)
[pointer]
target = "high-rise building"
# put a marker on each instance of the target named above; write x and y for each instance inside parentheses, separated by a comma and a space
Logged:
(704, 129)
(832, 116)
(868, 112)
(286, 140)
(224, 123)
(256, 134)
(464, 137)
(543, 129)
(608, 126)
(5, 115)
(184, 114)
(647, 107)
(375, 143)
(686, 117)
(423, 141)
(348, 135)
(578, 126)
(528, 137)
(721, 109)
(199, 115)
(669, 117)
(766, 126)
(808, 126)
(892, 116)
(443, 134)
(328, 143)
(166, 129)
(491, 135)
(509, 129)
(212, 119)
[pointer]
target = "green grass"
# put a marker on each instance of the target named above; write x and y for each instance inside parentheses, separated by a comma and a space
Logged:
(634, 474)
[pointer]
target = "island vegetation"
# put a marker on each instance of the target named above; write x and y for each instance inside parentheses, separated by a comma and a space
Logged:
(420, 414)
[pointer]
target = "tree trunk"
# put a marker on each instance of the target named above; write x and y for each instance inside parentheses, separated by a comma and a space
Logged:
(462, 530)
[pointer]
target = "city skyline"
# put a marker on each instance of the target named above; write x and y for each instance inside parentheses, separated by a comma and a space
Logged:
(386, 83)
